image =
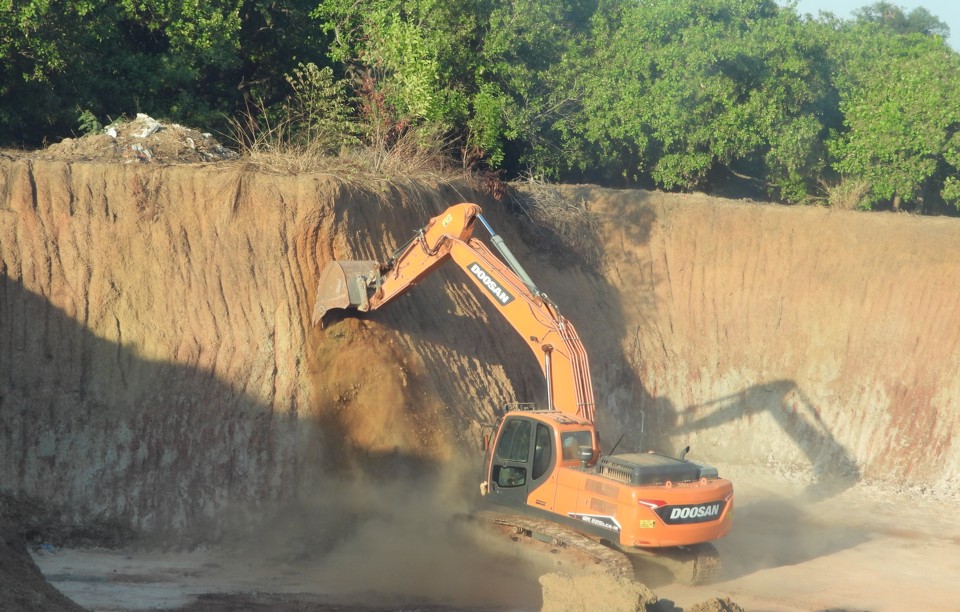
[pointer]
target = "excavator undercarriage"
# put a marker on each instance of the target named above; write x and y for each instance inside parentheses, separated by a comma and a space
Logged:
(573, 551)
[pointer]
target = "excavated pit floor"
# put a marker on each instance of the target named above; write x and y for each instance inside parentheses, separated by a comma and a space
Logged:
(867, 548)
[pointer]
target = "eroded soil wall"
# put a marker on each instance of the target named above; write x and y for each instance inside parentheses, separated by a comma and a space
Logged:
(800, 339)
(158, 369)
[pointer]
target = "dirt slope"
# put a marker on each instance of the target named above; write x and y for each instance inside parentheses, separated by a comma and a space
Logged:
(795, 338)
(156, 364)
(154, 321)
(159, 376)
(22, 587)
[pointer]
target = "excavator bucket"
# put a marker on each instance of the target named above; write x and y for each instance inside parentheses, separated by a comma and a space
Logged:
(345, 284)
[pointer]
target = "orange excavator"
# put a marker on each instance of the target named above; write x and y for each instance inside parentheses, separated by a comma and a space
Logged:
(543, 469)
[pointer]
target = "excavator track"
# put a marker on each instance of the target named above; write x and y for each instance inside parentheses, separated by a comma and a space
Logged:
(586, 552)
(706, 563)
(690, 565)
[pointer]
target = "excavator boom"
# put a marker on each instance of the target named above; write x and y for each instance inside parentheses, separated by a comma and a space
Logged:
(368, 285)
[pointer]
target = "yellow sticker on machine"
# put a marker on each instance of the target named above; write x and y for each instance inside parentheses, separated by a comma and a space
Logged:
(648, 524)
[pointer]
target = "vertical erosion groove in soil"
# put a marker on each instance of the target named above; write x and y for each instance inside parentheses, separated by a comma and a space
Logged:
(159, 375)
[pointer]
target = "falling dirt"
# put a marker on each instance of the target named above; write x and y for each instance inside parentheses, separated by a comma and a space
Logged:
(175, 434)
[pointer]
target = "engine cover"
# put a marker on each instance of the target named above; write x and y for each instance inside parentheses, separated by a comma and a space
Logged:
(651, 469)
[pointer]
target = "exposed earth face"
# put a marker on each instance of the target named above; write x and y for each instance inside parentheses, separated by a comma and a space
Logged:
(162, 391)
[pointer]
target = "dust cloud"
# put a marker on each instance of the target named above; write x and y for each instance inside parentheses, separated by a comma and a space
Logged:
(773, 529)
(375, 541)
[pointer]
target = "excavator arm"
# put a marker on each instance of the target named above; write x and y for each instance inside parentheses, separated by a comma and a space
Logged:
(369, 285)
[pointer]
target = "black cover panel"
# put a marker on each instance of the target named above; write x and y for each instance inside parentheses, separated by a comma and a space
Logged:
(648, 468)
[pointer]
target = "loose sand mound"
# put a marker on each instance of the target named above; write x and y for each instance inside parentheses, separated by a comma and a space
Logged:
(565, 593)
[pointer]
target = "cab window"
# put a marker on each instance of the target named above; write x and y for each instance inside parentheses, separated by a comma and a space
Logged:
(571, 442)
(542, 450)
(508, 476)
(514, 444)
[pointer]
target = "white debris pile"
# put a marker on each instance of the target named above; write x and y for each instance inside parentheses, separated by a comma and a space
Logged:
(144, 139)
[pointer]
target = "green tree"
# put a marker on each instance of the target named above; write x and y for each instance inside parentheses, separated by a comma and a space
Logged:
(529, 58)
(482, 71)
(411, 53)
(917, 21)
(679, 91)
(46, 48)
(900, 96)
(193, 62)
(274, 39)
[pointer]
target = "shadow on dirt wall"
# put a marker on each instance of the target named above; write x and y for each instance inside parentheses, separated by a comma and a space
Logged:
(603, 324)
(834, 470)
(771, 531)
(98, 445)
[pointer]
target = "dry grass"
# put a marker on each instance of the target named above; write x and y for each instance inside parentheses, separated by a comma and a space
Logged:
(847, 194)
(563, 222)
(414, 153)
(406, 159)
(281, 145)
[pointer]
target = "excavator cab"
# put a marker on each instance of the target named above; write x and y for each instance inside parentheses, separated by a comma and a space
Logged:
(521, 459)
(577, 445)
(544, 464)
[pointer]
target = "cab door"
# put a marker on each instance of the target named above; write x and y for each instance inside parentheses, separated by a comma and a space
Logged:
(523, 459)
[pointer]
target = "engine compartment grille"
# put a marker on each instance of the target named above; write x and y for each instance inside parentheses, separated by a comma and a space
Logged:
(648, 469)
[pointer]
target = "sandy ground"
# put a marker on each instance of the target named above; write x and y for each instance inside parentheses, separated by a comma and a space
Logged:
(451, 570)
(862, 549)
(790, 549)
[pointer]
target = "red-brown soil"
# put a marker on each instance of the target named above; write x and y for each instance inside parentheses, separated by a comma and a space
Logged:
(160, 381)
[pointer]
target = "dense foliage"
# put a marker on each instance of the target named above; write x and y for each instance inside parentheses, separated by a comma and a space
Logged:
(725, 96)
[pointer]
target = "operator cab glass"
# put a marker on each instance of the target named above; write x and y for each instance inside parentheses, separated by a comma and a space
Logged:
(513, 448)
(523, 457)
(572, 441)
(542, 451)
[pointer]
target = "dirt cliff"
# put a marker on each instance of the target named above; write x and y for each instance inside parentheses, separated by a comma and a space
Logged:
(159, 375)
(789, 338)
